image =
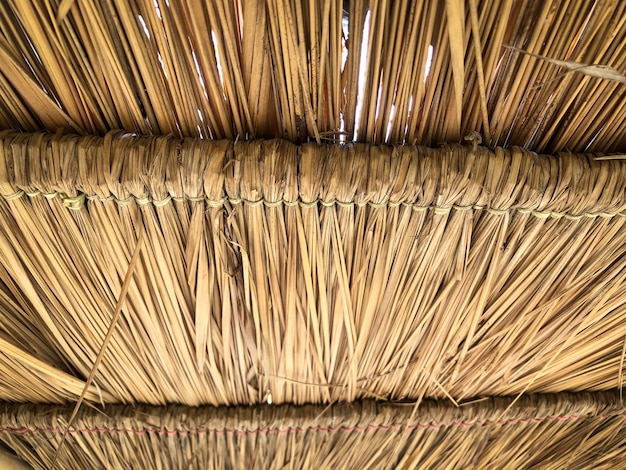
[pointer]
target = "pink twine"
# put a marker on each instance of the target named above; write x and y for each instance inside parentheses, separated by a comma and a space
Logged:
(312, 429)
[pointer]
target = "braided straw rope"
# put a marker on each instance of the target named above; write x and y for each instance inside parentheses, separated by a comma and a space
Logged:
(384, 177)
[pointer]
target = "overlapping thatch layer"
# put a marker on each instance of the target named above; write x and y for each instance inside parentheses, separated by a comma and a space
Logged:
(545, 431)
(306, 273)
(373, 71)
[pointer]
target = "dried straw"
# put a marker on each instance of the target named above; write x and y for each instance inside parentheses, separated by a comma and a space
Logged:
(416, 72)
(308, 274)
(241, 271)
(546, 431)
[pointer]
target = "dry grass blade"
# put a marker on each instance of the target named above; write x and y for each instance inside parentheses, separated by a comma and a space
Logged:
(118, 310)
(480, 71)
(50, 114)
(599, 71)
(455, 14)
(611, 157)
(620, 380)
(64, 9)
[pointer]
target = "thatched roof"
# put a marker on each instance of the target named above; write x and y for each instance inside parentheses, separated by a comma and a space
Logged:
(270, 204)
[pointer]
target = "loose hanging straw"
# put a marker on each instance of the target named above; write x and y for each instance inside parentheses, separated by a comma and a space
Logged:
(118, 310)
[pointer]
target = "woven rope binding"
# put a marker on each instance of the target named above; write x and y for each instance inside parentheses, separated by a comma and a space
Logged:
(561, 428)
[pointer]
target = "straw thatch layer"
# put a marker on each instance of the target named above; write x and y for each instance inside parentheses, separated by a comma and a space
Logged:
(305, 274)
(195, 272)
(549, 432)
(544, 75)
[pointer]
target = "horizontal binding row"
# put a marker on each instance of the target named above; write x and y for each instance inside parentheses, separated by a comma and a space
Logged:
(77, 203)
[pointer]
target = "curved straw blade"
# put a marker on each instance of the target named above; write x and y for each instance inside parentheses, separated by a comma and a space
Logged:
(593, 70)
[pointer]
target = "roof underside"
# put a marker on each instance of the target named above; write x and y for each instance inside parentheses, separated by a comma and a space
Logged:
(547, 76)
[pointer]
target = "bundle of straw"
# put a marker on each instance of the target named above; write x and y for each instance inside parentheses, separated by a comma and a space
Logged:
(547, 431)
(308, 274)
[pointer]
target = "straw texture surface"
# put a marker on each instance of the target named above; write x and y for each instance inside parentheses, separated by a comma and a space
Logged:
(305, 274)
(184, 269)
(545, 75)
